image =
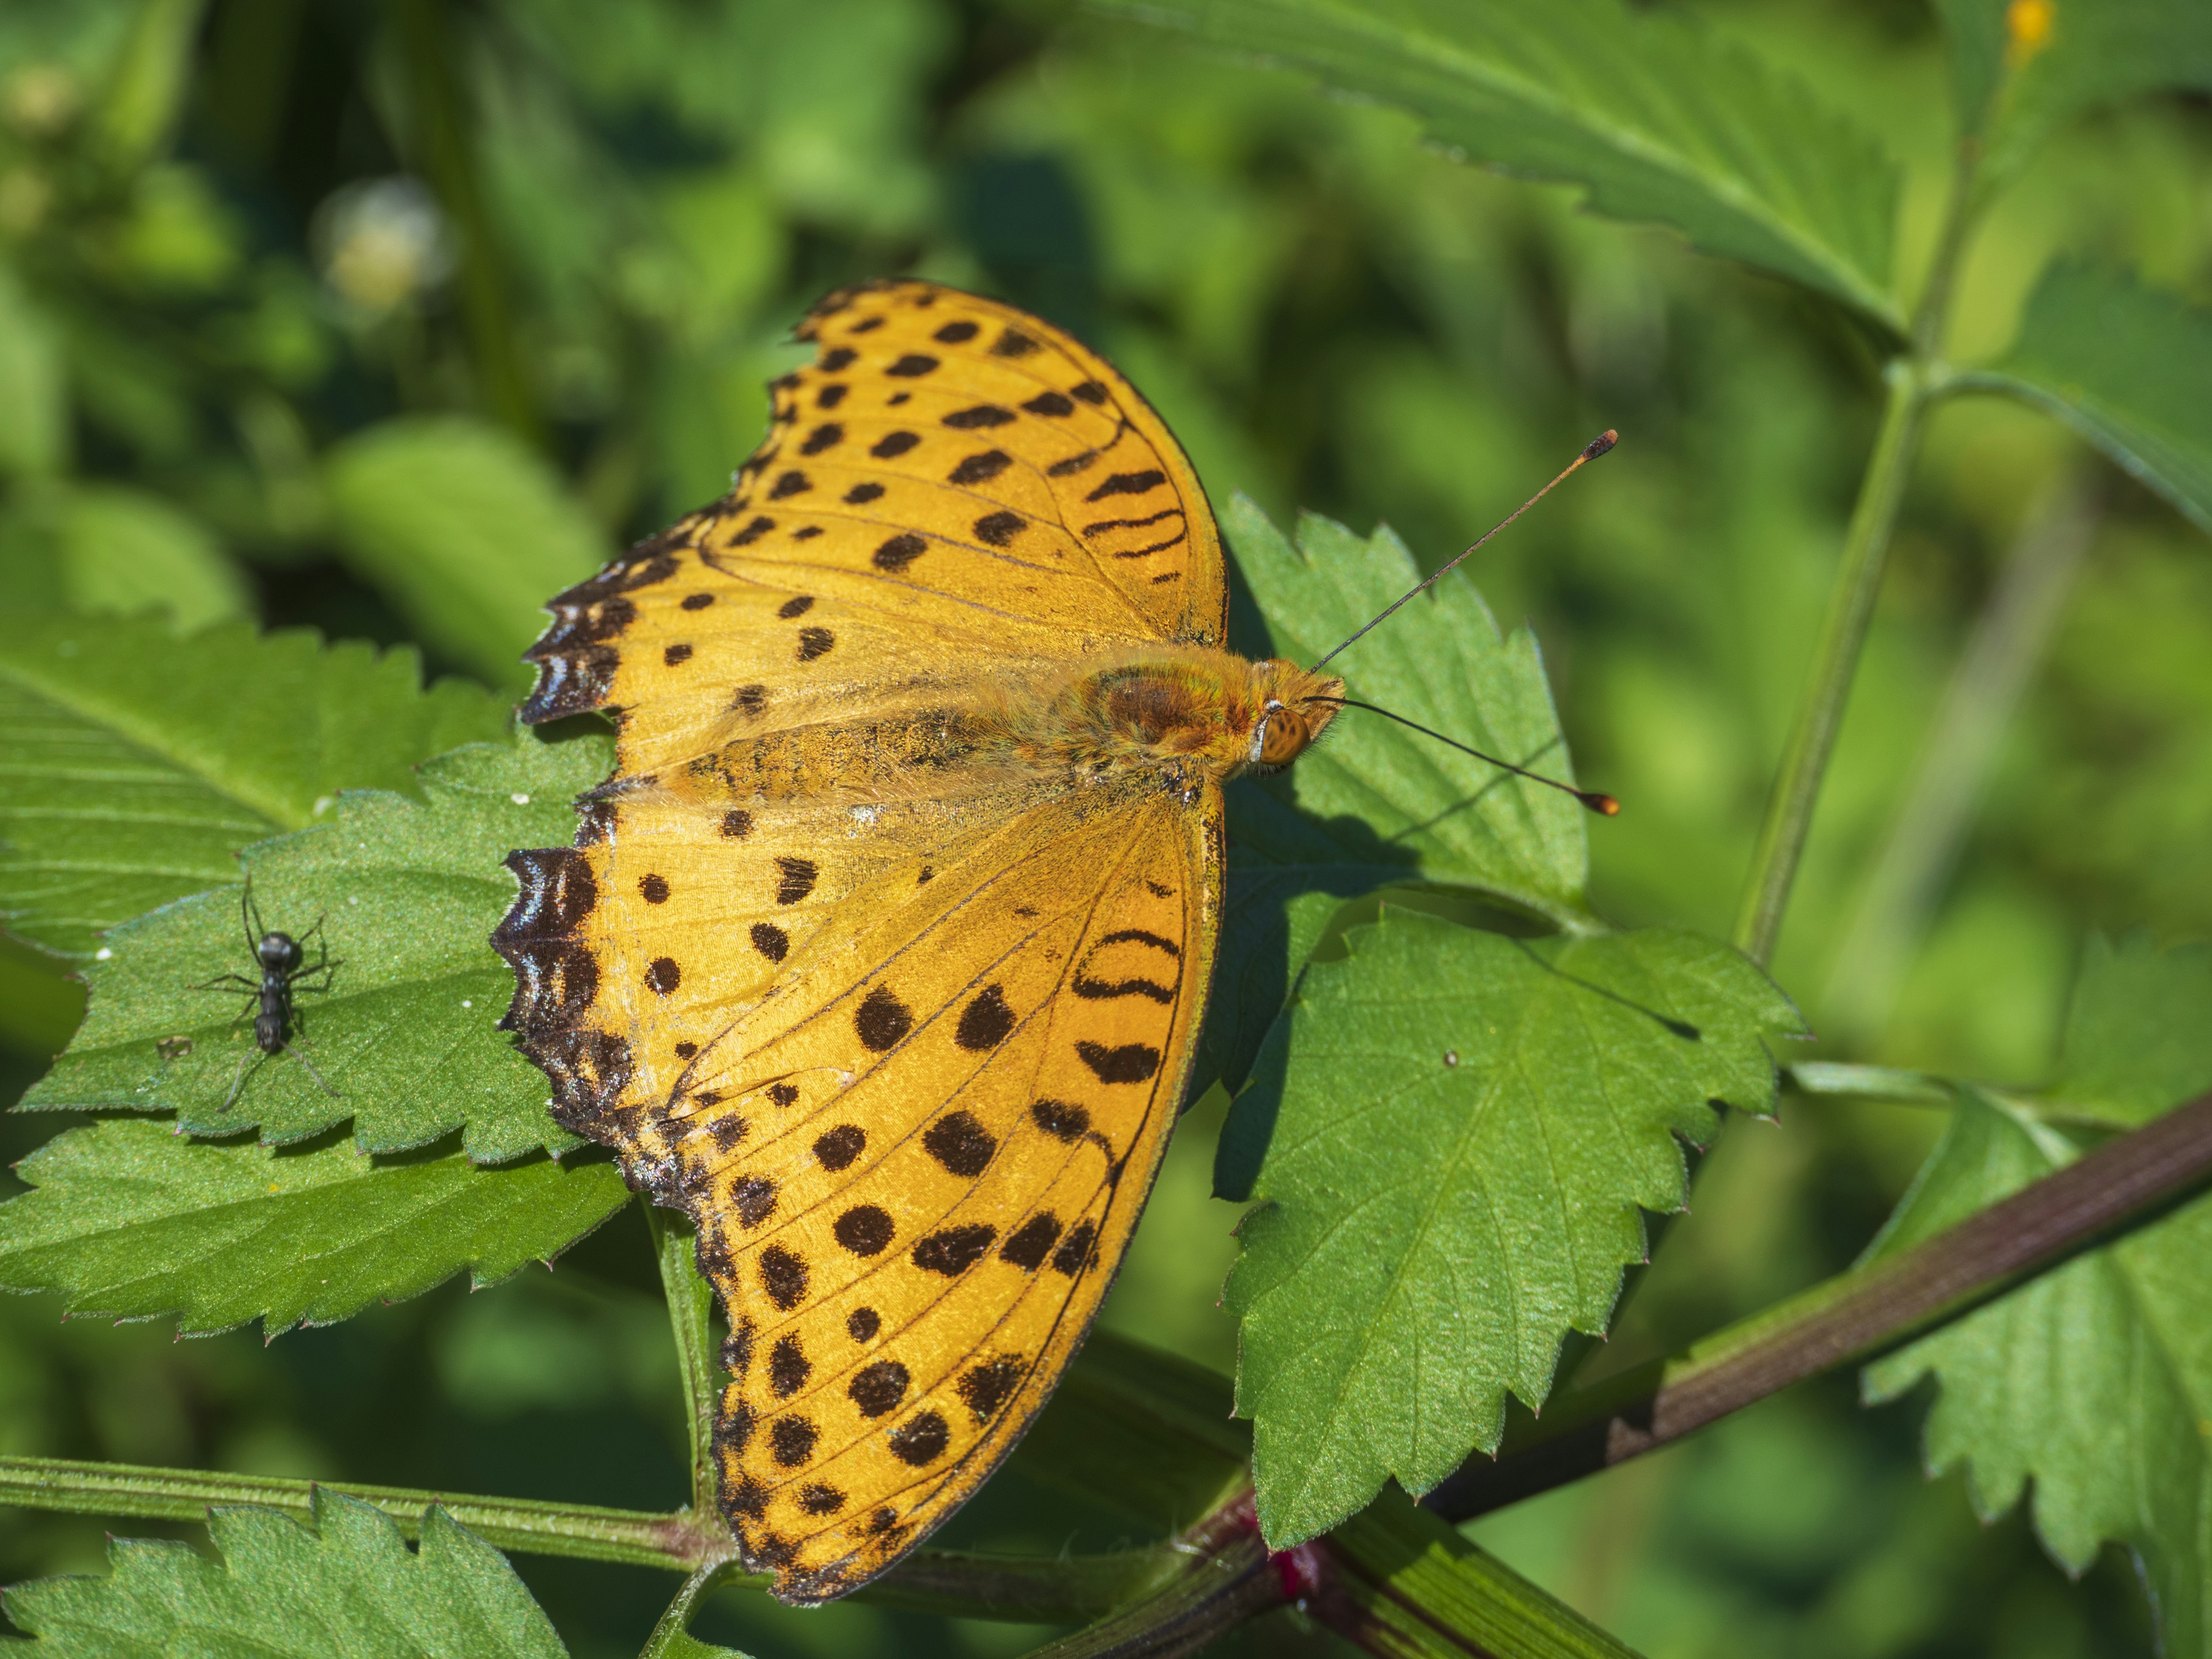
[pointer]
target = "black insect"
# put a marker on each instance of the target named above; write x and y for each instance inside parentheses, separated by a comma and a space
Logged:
(281, 959)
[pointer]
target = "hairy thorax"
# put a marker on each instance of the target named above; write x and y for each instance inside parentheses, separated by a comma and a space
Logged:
(1186, 715)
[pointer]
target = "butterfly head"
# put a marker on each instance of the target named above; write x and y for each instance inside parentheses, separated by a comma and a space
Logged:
(1294, 706)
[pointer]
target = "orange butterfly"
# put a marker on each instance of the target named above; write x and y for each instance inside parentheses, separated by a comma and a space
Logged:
(881, 954)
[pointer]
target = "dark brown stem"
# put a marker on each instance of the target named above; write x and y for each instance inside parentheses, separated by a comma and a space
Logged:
(1849, 1319)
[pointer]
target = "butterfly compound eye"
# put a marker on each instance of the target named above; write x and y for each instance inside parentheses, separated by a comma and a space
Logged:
(1285, 739)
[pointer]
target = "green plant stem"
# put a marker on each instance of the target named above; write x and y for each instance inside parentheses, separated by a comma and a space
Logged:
(632, 1537)
(1847, 1320)
(673, 1635)
(1400, 1582)
(438, 122)
(690, 1311)
(1066, 1590)
(1850, 607)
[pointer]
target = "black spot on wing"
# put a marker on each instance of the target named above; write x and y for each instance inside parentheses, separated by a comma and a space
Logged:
(881, 1019)
(960, 1143)
(980, 469)
(982, 415)
(1128, 484)
(1127, 1062)
(921, 1440)
(1032, 1242)
(985, 1021)
(953, 1250)
(899, 552)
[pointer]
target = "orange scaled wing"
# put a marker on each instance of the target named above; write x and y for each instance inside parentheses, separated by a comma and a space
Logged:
(904, 1035)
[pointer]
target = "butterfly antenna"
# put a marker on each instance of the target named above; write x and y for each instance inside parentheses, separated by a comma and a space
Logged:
(1605, 805)
(1596, 446)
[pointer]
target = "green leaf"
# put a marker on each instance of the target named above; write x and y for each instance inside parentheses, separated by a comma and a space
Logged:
(1656, 119)
(109, 550)
(1467, 1127)
(2016, 92)
(2139, 1033)
(466, 529)
(1387, 800)
(127, 1220)
(1287, 879)
(133, 764)
(2094, 1380)
(350, 1588)
(2129, 368)
(403, 1040)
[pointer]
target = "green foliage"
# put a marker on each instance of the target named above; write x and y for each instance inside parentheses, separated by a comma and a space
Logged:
(137, 763)
(105, 550)
(2096, 1379)
(1655, 119)
(127, 1220)
(465, 528)
(2126, 368)
(2138, 1033)
(349, 1588)
(266, 270)
(1375, 803)
(399, 1029)
(2018, 92)
(1396, 802)
(1468, 1125)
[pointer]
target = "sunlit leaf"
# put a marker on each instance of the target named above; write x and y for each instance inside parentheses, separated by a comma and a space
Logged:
(350, 1588)
(2093, 1382)
(466, 529)
(1657, 119)
(2129, 368)
(402, 898)
(128, 1220)
(2023, 68)
(133, 764)
(1465, 1126)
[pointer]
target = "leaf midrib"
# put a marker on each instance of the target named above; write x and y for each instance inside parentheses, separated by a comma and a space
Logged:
(167, 746)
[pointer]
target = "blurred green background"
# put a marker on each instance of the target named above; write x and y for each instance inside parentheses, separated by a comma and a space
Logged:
(388, 319)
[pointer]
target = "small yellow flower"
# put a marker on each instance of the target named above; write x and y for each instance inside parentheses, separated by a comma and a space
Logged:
(2027, 28)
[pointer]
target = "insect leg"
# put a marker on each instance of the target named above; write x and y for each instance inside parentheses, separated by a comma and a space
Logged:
(238, 1082)
(313, 1072)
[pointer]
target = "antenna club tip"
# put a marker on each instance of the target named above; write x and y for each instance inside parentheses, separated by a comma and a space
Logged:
(1603, 805)
(1604, 440)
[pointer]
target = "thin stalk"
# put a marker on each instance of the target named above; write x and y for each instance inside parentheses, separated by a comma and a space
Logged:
(439, 143)
(2007, 646)
(632, 1537)
(672, 1638)
(691, 1309)
(1849, 1319)
(1065, 1590)
(1850, 607)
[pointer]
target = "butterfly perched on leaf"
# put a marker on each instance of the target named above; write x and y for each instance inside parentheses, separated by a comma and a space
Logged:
(883, 953)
